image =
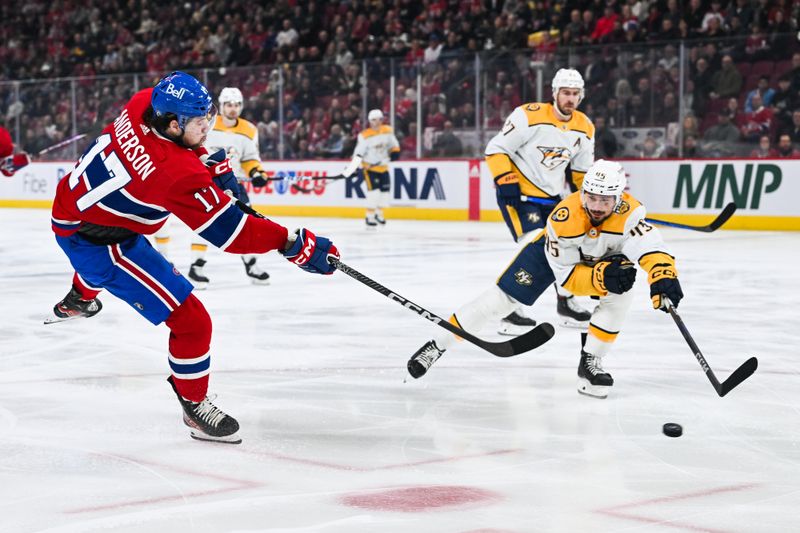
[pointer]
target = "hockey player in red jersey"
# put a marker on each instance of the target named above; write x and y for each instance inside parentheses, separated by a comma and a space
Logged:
(145, 165)
(9, 161)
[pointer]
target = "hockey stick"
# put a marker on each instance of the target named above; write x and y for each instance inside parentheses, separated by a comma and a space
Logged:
(329, 178)
(722, 218)
(62, 143)
(524, 343)
(740, 374)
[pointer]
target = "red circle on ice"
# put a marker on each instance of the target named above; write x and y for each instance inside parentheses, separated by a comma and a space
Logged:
(412, 499)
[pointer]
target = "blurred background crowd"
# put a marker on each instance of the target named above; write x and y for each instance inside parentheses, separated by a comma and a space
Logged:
(664, 78)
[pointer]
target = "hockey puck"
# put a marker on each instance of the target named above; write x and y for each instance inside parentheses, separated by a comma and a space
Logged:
(672, 430)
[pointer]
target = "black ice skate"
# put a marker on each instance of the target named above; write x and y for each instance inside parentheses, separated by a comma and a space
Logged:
(422, 360)
(206, 421)
(371, 222)
(199, 280)
(73, 306)
(516, 324)
(592, 379)
(379, 218)
(571, 314)
(254, 272)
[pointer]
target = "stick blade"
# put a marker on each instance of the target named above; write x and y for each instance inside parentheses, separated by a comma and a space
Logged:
(740, 374)
(722, 218)
(532, 339)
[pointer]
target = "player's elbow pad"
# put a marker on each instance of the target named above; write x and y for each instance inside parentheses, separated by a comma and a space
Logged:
(394, 156)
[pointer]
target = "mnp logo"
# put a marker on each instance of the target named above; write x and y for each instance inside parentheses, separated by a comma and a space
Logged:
(177, 93)
(407, 184)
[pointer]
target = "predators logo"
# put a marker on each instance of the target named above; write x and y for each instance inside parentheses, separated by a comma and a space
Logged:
(623, 207)
(523, 277)
(560, 215)
(553, 156)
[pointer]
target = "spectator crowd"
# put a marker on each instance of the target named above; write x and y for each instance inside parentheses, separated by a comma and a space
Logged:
(310, 70)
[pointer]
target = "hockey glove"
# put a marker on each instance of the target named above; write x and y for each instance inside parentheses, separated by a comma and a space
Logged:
(668, 287)
(311, 253)
(257, 178)
(222, 173)
(508, 191)
(614, 274)
(9, 165)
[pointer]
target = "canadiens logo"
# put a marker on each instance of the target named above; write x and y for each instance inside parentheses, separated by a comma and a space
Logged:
(554, 156)
(533, 218)
(561, 214)
(623, 207)
(523, 278)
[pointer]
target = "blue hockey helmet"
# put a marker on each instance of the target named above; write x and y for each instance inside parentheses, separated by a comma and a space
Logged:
(183, 96)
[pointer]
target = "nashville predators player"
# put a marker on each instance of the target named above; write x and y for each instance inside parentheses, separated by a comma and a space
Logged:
(541, 147)
(376, 146)
(589, 247)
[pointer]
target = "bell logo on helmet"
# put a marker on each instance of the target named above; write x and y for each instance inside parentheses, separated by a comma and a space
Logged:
(177, 93)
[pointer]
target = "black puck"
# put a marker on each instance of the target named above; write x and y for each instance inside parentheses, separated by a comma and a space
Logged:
(672, 430)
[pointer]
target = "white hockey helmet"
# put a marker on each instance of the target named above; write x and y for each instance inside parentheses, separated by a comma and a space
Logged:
(568, 78)
(375, 114)
(605, 178)
(230, 94)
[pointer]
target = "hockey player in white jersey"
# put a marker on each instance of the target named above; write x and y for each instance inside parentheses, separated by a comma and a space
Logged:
(239, 138)
(589, 247)
(540, 148)
(376, 146)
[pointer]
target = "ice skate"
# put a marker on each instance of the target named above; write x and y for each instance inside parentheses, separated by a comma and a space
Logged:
(206, 421)
(422, 360)
(199, 280)
(516, 324)
(592, 379)
(73, 306)
(379, 219)
(254, 272)
(570, 314)
(371, 223)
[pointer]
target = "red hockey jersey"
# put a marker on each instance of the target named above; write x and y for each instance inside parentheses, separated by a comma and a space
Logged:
(131, 177)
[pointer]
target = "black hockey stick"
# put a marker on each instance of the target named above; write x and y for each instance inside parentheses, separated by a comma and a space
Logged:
(740, 374)
(722, 218)
(524, 343)
(329, 178)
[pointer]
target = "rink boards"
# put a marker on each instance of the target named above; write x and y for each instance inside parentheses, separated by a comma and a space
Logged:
(684, 191)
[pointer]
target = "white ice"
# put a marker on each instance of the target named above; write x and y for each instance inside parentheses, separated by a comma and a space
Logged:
(337, 437)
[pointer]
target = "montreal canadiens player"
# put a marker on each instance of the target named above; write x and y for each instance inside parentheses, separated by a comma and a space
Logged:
(588, 247)
(9, 161)
(145, 165)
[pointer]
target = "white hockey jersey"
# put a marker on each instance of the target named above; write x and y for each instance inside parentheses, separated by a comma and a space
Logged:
(375, 147)
(574, 245)
(240, 143)
(535, 144)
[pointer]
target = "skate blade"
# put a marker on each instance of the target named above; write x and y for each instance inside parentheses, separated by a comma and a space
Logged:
(229, 439)
(565, 322)
(259, 281)
(55, 320)
(199, 285)
(594, 391)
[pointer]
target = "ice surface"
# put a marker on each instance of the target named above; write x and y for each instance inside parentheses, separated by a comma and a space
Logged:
(337, 437)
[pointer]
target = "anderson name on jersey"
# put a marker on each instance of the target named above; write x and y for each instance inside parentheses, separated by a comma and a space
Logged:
(240, 143)
(133, 178)
(375, 147)
(574, 244)
(538, 147)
